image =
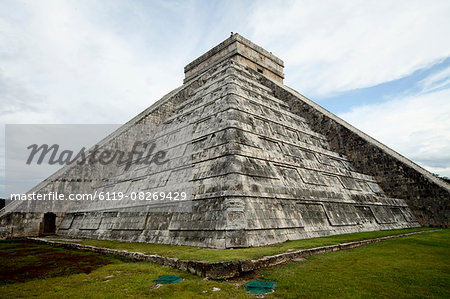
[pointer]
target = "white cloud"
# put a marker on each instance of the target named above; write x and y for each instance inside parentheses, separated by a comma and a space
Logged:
(417, 127)
(103, 62)
(76, 69)
(331, 46)
(84, 62)
(436, 80)
(72, 62)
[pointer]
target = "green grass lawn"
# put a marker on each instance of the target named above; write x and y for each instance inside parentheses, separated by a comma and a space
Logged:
(219, 255)
(408, 267)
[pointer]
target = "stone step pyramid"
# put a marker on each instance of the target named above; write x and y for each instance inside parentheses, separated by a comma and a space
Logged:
(261, 164)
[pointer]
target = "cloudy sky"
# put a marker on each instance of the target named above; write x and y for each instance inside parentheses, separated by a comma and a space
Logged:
(384, 66)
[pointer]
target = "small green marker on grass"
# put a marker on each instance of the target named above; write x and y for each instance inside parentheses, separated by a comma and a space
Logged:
(168, 279)
(258, 287)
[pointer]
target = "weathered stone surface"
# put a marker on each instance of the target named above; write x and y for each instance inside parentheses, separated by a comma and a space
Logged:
(427, 196)
(263, 164)
(243, 51)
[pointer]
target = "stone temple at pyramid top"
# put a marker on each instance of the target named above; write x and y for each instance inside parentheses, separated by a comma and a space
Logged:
(244, 51)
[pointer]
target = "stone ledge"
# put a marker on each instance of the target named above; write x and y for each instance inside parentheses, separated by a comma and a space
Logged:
(233, 38)
(227, 269)
(241, 49)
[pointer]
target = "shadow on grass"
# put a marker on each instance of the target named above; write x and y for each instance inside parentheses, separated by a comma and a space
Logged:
(23, 260)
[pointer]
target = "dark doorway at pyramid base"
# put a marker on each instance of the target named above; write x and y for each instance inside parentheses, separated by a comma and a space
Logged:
(49, 223)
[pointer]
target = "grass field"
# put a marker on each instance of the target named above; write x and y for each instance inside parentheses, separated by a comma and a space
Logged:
(219, 255)
(408, 267)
